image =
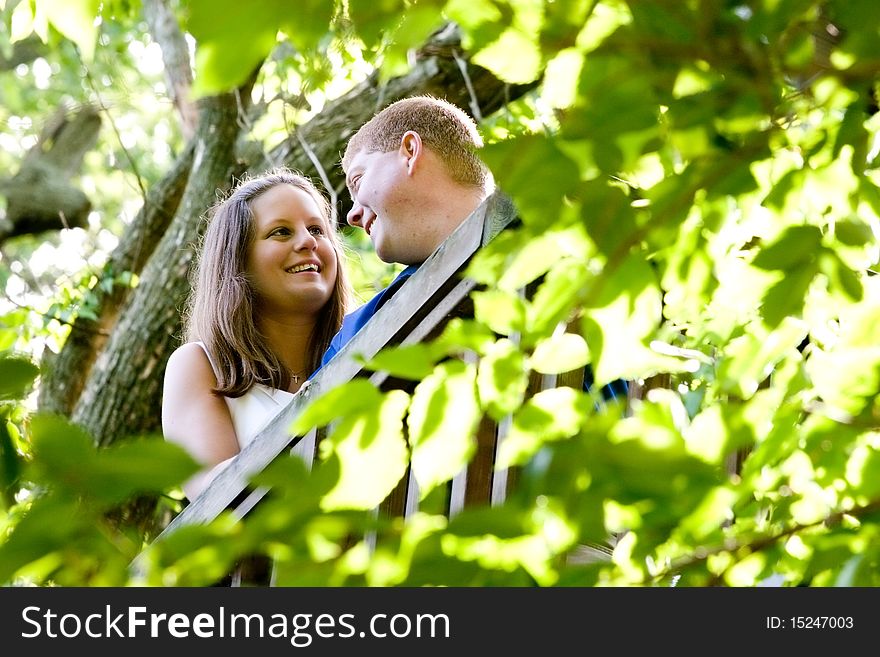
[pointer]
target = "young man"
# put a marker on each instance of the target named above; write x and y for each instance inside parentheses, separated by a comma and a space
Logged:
(414, 177)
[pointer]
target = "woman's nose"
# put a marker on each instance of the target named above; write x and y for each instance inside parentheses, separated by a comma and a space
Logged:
(305, 240)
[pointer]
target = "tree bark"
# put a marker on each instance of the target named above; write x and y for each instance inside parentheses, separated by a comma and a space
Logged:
(23, 52)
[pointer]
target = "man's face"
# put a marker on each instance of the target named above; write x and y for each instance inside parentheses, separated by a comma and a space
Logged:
(386, 205)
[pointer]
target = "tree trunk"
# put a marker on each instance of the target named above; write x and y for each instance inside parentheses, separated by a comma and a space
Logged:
(175, 54)
(65, 373)
(122, 394)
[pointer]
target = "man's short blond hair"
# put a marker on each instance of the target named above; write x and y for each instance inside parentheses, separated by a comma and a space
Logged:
(446, 129)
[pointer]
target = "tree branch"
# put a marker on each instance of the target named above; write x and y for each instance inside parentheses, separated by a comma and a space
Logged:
(178, 65)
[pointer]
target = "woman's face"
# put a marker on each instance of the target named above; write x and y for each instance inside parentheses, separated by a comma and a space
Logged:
(291, 262)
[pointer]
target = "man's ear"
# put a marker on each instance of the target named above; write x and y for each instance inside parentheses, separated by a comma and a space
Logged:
(411, 149)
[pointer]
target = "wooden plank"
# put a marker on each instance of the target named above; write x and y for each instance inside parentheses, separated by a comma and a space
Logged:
(304, 448)
(249, 502)
(458, 485)
(437, 316)
(479, 470)
(501, 476)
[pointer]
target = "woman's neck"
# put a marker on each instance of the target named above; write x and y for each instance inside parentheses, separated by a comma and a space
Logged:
(289, 340)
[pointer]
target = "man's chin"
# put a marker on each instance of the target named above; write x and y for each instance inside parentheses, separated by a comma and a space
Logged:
(385, 255)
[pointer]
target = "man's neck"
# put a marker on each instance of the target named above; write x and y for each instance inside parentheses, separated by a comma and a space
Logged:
(451, 204)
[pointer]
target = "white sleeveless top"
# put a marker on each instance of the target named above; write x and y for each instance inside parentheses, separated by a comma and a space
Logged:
(254, 409)
(250, 414)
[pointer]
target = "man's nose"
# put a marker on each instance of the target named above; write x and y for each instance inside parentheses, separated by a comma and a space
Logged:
(355, 216)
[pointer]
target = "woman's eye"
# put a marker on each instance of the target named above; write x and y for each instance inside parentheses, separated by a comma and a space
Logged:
(316, 230)
(279, 231)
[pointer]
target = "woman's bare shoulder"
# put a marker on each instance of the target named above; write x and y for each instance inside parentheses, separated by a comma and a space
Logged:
(189, 358)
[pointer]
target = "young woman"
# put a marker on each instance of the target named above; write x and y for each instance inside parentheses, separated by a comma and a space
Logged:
(269, 292)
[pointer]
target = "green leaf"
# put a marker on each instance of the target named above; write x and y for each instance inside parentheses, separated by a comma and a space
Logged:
(852, 133)
(491, 262)
(853, 232)
(556, 298)
(863, 473)
(66, 458)
(413, 362)
(371, 454)
(502, 379)
(548, 416)
(21, 21)
(560, 353)
(17, 375)
(842, 279)
(75, 19)
(134, 467)
(406, 31)
(306, 26)
(621, 125)
(531, 261)
(608, 215)
(463, 335)
(749, 359)
(515, 57)
(718, 430)
(503, 312)
(63, 453)
(350, 398)
(845, 378)
(623, 321)
(50, 525)
(10, 465)
(536, 173)
(796, 246)
(372, 20)
(786, 298)
(233, 38)
(442, 418)
(713, 511)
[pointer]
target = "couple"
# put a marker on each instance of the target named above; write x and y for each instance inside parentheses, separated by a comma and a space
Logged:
(271, 293)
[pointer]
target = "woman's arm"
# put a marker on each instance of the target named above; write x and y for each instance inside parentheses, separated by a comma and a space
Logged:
(194, 417)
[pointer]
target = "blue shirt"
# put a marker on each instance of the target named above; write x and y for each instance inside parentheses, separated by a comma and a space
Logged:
(614, 391)
(354, 321)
